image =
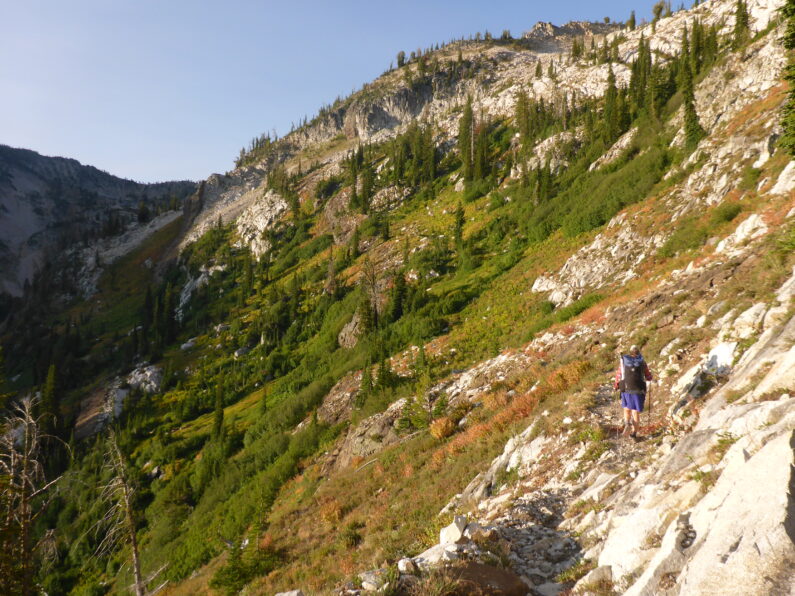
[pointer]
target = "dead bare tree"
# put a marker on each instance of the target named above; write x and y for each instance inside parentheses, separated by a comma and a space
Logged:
(25, 491)
(119, 520)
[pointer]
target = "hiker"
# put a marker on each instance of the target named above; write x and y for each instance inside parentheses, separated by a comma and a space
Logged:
(631, 377)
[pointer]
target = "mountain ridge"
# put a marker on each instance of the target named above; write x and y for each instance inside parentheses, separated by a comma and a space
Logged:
(384, 360)
(41, 195)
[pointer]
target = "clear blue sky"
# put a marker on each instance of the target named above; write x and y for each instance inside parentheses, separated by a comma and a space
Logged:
(170, 89)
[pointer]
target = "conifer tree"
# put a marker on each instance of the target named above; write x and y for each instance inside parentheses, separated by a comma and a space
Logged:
(466, 140)
(398, 297)
(539, 70)
(366, 313)
(480, 158)
(354, 245)
(366, 386)
(458, 232)
(385, 374)
(522, 116)
(218, 414)
(741, 24)
(693, 131)
(368, 181)
(657, 12)
(632, 23)
(421, 363)
(612, 114)
(787, 140)
(49, 403)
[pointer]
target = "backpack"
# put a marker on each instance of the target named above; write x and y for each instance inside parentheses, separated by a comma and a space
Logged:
(632, 377)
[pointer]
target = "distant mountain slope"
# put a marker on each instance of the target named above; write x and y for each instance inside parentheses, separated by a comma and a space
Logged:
(50, 201)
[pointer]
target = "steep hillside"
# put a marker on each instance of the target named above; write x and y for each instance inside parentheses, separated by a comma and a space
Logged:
(48, 203)
(384, 357)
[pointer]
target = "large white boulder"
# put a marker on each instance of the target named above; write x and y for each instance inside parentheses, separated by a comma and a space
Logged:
(749, 323)
(454, 533)
(786, 180)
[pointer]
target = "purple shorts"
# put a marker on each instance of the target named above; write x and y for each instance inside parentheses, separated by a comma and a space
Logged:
(633, 401)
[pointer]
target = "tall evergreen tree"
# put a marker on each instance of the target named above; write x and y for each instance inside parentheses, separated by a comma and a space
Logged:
(632, 23)
(218, 413)
(693, 131)
(657, 13)
(741, 24)
(50, 403)
(612, 120)
(458, 231)
(366, 386)
(398, 297)
(366, 312)
(787, 140)
(466, 139)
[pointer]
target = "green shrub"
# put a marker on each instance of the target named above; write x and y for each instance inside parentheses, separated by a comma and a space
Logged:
(750, 178)
(241, 569)
(688, 236)
(725, 212)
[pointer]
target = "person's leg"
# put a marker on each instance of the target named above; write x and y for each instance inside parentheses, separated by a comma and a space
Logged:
(635, 422)
(627, 420)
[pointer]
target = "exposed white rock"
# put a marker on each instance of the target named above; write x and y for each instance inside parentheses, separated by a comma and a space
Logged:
(373, 580)
(406, 566)
(611, 258)
(786, 180)
(749, 323)
(616, 151)
(431, 557)
(778, 312)
(454, 532)
(740, 547)
(371, 435)
(259, 217)
(752, 227)
(146, 378)
(195, 283)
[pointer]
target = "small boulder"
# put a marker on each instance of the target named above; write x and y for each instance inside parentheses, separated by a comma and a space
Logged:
(453, 533)
(407, 566)
(291, 593)
(373, 580)
(601, 574)
(472, 530)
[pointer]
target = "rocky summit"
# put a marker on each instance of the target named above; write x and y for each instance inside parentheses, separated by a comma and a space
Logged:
(380, 354)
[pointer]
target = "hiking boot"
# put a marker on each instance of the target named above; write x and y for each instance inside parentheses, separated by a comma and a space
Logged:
(626, 429)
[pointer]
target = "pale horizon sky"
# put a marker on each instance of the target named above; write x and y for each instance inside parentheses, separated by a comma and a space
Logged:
(169, 90)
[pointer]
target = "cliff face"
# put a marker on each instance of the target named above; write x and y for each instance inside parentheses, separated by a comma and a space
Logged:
(51, 202)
